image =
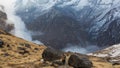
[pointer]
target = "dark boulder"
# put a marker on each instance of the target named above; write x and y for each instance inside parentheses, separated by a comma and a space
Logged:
(77, 61)
(51, 54)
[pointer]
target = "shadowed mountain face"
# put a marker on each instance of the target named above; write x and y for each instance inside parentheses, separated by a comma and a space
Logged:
(58, 30)
(111, 35)
(56, 27)
(66, 22)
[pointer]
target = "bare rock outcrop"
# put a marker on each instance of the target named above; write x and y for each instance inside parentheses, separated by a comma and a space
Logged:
(78, 61)
(3, 22)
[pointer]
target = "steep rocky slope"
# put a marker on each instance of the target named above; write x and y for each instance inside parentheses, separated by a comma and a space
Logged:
(15, 50)
(109, 35)
(57, 30)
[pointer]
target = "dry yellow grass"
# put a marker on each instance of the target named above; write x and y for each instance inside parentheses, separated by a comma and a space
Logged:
(18, 53)
(102, 63)
(116, 66)
(14, 48)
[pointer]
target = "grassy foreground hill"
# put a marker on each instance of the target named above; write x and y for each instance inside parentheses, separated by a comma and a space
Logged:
(18, 53)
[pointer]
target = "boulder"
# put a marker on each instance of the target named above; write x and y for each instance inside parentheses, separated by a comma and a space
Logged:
(51, 54)
(77, 61)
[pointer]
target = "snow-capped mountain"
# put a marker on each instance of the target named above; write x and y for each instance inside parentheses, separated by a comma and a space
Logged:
(98, 19)
(112, 53)
(94, 13)
(77, 8)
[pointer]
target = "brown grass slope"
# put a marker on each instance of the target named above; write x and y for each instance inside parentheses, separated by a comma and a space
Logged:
(18, 53)
(15, 50)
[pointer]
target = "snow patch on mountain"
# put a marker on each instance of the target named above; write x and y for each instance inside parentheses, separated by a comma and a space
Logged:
(112, 54)
(80, 49)
(39, 4)
(82, 10)
(113, 51)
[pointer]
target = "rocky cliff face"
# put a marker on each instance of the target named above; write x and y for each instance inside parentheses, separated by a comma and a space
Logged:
(3, 19)
(58, 30)
(111, 35)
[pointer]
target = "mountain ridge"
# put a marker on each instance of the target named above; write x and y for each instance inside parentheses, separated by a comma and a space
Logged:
(95, 18)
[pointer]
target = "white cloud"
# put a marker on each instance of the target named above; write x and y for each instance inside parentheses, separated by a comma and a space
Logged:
(20, 29)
